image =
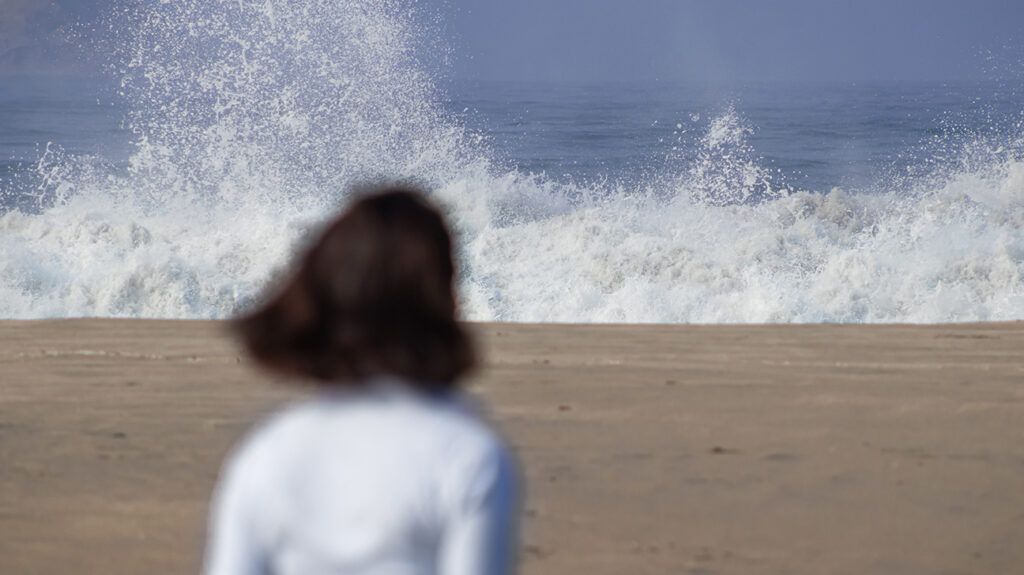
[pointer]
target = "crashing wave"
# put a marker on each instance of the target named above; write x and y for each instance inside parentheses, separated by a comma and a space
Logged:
(252, 119)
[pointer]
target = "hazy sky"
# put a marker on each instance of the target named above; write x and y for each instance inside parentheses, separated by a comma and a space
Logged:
(729, 40)
(701, 41)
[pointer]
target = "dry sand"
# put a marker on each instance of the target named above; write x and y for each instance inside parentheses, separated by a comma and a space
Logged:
(700, 450)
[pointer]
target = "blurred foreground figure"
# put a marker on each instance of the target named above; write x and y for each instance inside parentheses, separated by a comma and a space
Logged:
(386, 470)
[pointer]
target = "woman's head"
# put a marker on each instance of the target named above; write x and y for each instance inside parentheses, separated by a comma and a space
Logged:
(373, 296)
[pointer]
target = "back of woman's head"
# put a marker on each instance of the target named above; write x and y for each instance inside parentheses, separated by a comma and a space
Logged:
(374, 296)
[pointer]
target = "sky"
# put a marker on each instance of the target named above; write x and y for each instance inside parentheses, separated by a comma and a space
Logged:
(722, 41)
(36, 33)
(699, 41)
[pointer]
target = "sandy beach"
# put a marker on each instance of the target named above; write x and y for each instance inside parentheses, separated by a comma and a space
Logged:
(658, 449)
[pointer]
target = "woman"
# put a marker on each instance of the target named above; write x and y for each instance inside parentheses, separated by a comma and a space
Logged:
(386, 470)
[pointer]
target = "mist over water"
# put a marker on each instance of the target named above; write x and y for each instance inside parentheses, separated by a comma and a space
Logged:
(249, 122)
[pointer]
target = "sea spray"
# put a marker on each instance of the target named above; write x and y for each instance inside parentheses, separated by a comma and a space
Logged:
(251, 120)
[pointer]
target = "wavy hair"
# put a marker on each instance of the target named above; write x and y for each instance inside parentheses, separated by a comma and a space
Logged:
(373, 296)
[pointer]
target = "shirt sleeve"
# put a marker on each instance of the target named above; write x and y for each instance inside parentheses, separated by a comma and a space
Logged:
(481, 535)
(233, 545)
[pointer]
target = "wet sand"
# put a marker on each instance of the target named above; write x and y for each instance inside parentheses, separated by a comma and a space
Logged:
(682, 450)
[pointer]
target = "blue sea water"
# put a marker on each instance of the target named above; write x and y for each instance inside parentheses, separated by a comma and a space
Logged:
(809, 136)
(177, 184)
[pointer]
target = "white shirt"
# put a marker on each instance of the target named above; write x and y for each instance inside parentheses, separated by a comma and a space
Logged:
(378, 481)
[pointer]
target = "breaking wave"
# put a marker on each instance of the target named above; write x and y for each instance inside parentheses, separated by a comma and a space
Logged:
(250, 121)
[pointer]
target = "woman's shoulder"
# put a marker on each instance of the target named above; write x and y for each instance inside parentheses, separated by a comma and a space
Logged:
(464, 422)
(470, 436)
(476, 463)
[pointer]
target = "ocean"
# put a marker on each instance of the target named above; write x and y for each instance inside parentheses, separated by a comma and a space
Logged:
(177, 182)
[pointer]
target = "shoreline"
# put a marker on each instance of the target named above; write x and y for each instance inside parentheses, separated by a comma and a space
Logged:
(651, 448)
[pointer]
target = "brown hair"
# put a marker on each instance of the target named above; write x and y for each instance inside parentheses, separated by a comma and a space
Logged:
(374, 296)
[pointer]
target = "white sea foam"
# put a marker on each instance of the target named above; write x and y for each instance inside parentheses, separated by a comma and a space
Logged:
(253, 118)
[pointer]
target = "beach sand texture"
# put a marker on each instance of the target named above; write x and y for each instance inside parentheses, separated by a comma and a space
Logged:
(647, 449)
